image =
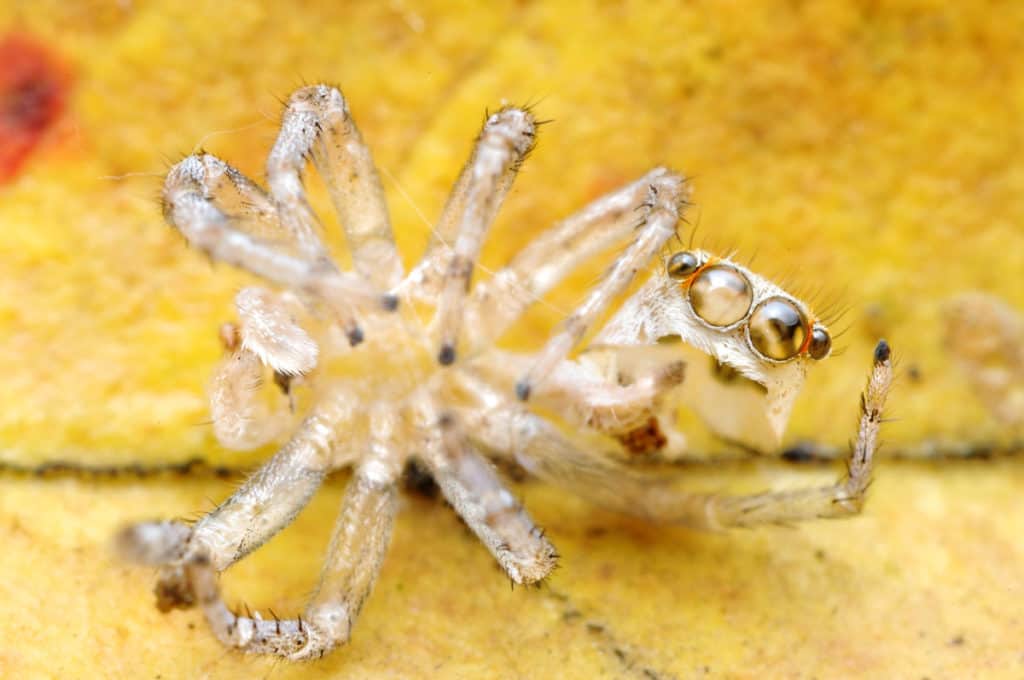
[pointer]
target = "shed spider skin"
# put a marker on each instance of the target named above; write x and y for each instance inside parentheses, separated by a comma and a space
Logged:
(384, 387)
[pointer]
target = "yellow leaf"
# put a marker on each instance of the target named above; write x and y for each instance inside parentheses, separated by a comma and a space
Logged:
(870, 149)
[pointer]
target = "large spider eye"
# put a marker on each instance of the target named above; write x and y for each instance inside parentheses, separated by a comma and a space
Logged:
(682, 265)
(720, 295)
(821, 343)
(777, 329)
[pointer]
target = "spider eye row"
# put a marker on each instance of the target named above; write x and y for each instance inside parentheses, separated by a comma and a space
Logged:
(722, 297)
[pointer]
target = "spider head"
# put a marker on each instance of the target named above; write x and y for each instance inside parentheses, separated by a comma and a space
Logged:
(761, 339)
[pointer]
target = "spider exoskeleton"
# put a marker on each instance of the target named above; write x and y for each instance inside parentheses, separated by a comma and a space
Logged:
(384, 387)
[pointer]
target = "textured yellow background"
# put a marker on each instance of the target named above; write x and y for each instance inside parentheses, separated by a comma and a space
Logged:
(871, 148)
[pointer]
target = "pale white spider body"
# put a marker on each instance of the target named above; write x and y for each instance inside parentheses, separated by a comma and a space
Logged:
(399, 388)
(757, 418)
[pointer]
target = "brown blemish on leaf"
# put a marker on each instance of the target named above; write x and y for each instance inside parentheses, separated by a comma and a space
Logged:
(33, 94)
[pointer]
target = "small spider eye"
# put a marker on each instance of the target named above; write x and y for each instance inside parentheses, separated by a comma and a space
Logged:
(682, 265)
(720, 295)
(777, 329)
(821, 343)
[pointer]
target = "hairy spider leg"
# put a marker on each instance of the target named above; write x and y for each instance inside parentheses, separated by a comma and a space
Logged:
(507, 137)
(316, 124)
(582, 396)
(191, 204)
(660, 214)
(470, 483)
(504, 428)
(542, 264)
(358, 545)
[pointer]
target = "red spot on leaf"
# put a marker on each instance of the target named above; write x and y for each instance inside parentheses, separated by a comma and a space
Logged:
(33, 93)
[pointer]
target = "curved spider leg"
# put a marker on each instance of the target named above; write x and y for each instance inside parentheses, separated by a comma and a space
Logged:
(191, 206)
(358, 545)
(470, 483)
(242, 420)
(511, 431)
(666, 196)
(267, 336)
(583, 396)
(244, 201)
(640, 415)
(507, 137)
(424, 282)
(266, 503)
(498, 302)
(316, 123)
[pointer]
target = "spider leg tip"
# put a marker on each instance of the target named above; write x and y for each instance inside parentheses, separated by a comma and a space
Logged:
(355, 336)
(522, 390)
(446, 357)
(882, 352)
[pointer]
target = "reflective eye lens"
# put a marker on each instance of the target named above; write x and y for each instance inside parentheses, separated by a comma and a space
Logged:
(777, 329)
(682, 265)
(821, 343)
(720, 295)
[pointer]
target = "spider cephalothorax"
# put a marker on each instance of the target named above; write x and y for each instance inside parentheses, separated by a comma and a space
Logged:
(399, 368)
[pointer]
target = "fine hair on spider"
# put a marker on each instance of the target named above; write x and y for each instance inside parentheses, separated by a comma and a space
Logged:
(403, 367)
(827, 301)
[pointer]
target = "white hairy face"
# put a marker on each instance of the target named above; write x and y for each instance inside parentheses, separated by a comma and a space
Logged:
(745, 323)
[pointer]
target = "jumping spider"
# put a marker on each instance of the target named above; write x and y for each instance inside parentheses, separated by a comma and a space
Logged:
(386, 388)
